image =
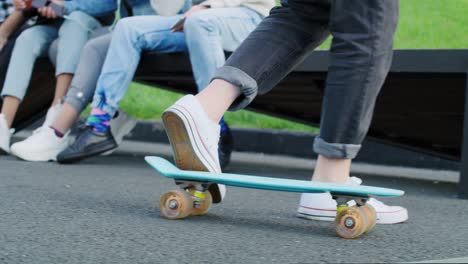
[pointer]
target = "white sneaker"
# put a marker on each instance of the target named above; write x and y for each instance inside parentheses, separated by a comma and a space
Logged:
(120, 127)
(5, 135)
(52, 114)
(194, 139)
(322, 207)
(42, 145)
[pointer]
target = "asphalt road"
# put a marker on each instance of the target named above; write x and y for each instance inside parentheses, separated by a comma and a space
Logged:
(100, 211)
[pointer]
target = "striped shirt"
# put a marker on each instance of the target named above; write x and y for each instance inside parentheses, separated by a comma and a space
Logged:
(6, 8)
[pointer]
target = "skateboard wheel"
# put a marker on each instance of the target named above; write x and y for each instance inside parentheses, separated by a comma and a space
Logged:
(176, 204)
(205, 206)
(351, 222)
(371, 216)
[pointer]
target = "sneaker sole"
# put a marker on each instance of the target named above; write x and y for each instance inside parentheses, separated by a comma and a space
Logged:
(185, 152)
(392, 218)
(37, 157)
(401, 217)
(80, 156)
(317, 215)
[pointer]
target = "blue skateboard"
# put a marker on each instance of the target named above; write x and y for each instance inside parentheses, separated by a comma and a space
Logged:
(193, 197)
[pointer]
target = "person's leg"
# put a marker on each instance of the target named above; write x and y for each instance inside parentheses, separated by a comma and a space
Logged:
(131, 37)
(84, 82)
(73, 35)
(209, 33)
(50, 141)
(30, 45)
(360, 58)
(191, 123)
(247, 77)
(5, 54)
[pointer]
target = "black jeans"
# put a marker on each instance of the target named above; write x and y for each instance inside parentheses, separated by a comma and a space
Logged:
(360, 57)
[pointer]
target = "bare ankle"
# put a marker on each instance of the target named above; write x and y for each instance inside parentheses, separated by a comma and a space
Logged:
(217, 98)
(332, 170)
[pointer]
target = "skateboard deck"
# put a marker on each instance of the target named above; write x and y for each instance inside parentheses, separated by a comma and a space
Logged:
(168, 170)
(194, 199)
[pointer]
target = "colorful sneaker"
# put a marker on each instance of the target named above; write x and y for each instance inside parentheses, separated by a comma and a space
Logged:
(88, 143)
(42, 145)
(194, 139)
(5, 135)
(121, 126)
(322, 207)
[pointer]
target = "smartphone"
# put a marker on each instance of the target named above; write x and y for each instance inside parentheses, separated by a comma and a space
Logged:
(42, 3)
(38, 3)
(59, 10)
(179, 25)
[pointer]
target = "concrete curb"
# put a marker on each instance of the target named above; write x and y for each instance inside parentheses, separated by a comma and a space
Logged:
(284, 149)
(144, 148)
(297, 144)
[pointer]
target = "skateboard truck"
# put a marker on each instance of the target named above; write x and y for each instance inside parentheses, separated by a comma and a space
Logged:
(353, 221)
(197, 190)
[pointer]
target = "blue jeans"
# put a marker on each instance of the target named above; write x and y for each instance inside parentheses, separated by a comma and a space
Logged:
(206, 35)
(34, 42)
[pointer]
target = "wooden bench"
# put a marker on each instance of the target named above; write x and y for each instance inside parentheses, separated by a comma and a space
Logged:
(422, 105)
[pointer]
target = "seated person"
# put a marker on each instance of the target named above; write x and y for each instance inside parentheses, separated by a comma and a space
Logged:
(72, 33)
(51, 140)
(207, 33)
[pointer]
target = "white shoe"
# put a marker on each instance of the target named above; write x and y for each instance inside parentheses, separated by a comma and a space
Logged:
(42, 145)
(5, 135)
(194, 139)
(322, 207)
(120, 127)
(52, 114)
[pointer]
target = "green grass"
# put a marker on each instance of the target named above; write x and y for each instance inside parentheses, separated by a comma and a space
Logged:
(424, 24)
(146, 102)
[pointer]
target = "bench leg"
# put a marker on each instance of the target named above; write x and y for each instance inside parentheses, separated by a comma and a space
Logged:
(463, 185)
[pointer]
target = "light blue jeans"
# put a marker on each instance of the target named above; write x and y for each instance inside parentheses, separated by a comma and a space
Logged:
(72, 35)
(207, 34)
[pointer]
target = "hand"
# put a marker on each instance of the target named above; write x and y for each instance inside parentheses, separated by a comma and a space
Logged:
(22, 4)
(48, 11)
(179, 26)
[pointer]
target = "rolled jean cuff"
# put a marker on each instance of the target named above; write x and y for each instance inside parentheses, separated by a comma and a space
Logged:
(15, 94)
(246, 84)
(77, 99)
(66, 68)
(104, 104)
(335, 150)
